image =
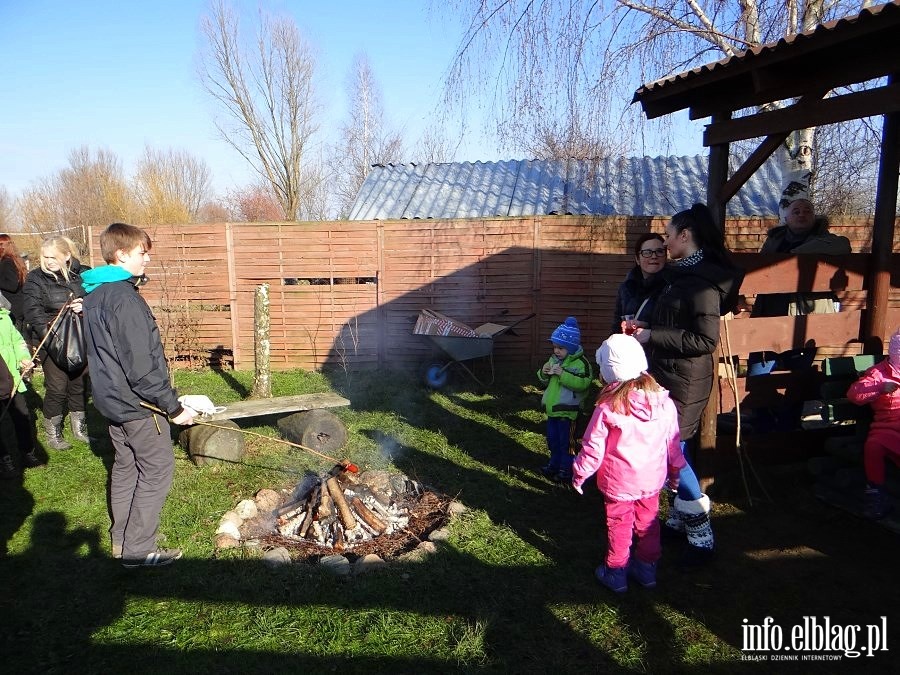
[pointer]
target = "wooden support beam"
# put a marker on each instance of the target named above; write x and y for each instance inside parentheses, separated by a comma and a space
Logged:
(876, 331)
(805, 114)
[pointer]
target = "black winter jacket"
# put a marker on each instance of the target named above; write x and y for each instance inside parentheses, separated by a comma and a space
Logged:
(125, 354)
(685, 331)
(11, 286)
(45, 292)
(632, 292)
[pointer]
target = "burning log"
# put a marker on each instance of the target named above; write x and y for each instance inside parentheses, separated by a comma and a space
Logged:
(337, 496)
(369, 518)
(288, 512)
(337, 533)
(310, 511)
(325, 505)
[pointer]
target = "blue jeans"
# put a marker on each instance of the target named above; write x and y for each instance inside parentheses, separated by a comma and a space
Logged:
(558, 429)
(688, 485)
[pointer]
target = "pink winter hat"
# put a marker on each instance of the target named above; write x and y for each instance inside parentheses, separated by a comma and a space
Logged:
(621, 358)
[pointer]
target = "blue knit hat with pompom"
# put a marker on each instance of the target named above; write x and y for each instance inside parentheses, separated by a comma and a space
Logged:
(567, 335)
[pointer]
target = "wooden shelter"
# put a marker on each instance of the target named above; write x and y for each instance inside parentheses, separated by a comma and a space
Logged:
(807, 68)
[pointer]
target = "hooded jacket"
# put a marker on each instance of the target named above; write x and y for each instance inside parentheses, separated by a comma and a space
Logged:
(13, 351)
(867, 390)
(632, 293)
(632, 454)
(125, 353)
(685, 331)
(565, 392)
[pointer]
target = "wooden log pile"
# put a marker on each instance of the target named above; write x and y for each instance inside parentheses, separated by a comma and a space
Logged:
(337, 511)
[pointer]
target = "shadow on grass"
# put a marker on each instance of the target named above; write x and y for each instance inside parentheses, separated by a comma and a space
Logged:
(537, 618)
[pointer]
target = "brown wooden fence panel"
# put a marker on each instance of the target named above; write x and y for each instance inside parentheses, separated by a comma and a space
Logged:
(348, 293)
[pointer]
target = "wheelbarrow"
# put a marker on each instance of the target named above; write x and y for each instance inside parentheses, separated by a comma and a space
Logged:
(460, 343)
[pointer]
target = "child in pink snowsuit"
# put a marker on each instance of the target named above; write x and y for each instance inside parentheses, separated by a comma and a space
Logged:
(632, 444)
(880, 387)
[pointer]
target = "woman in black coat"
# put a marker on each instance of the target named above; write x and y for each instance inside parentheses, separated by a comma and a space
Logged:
(637, 294)
(701, 285)
(47, 288)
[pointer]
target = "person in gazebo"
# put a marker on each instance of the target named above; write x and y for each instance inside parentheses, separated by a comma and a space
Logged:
(801, 232)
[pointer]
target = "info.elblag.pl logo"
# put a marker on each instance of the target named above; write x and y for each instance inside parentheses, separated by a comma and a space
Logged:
(813, 639)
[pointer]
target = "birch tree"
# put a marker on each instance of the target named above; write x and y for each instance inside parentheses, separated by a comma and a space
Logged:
(267, 100)
(573, 65)
(365, 139)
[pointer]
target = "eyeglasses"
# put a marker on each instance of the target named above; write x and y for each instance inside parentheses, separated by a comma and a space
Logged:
(650, 252)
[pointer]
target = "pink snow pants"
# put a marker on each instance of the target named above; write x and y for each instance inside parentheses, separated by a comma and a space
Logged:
(882, 443)
(638, 518)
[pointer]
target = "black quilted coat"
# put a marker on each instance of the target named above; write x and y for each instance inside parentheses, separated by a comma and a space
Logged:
(684, 333)
(45, 293)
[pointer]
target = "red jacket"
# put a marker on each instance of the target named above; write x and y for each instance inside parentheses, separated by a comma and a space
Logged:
(868, 390)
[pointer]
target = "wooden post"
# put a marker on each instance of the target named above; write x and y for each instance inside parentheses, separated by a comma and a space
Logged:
(876, 331)
(236, 354)
(706, 436)
(262, 381)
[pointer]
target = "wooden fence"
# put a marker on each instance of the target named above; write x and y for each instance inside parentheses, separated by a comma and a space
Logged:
(347, 294)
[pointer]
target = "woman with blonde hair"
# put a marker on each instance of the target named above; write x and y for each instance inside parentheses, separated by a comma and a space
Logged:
(12, 278)
(47, 288)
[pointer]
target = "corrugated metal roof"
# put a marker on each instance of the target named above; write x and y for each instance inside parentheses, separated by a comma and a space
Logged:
(879, 17)
(623, 186)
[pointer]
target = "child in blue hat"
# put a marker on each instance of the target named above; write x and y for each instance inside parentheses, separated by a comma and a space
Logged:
(566, 377)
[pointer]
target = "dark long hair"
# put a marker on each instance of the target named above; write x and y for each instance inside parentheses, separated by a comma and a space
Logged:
(707, 235)
(9, 250)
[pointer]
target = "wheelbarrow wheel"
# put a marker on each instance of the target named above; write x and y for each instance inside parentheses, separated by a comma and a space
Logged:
(436, 375)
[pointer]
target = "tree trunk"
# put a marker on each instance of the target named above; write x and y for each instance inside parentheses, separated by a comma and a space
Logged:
(262, 381)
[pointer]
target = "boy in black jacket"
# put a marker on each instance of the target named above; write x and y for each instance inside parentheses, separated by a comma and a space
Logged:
(127, 366)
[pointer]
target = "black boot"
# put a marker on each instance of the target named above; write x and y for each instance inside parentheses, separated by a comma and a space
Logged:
(8, 469)
(79, 426)
(54, 426)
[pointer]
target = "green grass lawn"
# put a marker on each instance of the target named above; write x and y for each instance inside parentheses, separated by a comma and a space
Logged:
(512, 590)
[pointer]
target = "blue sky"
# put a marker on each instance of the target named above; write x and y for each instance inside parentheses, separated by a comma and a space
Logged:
(121, 74)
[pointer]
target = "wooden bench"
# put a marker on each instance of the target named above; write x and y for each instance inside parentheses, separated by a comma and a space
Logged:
(278, 405)
(217, 438)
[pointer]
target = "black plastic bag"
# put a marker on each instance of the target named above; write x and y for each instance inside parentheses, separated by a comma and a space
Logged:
(66, 345)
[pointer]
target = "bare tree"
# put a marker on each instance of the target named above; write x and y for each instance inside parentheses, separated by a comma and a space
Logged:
(364, 139)
(571, 66)
(434, 147)
(91, 190)
(267, 98)
(213, 211)
(170, 186)
(7, 210)
(254, 204)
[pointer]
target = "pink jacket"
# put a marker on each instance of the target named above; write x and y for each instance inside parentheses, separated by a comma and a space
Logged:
(867, 390)
(631, 454)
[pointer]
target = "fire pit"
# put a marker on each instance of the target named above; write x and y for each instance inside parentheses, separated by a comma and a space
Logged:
(338, 513)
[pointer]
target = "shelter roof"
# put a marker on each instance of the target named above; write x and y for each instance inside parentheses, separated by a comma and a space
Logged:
(838, 53)
(623, 186)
